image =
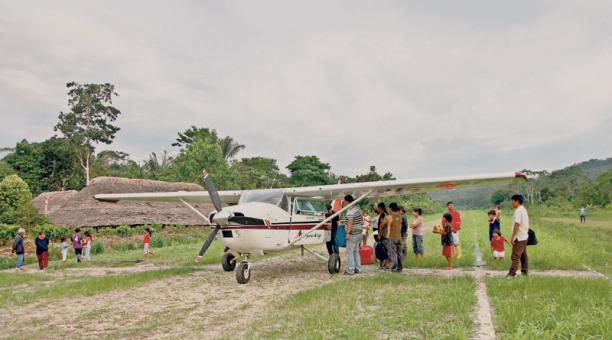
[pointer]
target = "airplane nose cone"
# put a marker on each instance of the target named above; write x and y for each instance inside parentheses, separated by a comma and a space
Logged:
(222, 217)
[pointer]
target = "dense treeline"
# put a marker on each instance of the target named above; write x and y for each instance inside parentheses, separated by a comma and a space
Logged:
(585, 184)
(69, 159)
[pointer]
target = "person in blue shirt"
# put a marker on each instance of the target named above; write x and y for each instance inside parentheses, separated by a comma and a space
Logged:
(493, 224)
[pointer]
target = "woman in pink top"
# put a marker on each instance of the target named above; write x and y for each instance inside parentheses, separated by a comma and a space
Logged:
(417, 233)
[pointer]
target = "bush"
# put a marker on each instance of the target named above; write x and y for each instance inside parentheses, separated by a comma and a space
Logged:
(54, 233)
(98, 247)
(124, 231)
(124, 246)
(158, 241)
(7, 233)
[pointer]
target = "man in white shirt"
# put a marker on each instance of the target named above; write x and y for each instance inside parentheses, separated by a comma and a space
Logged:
(520, 234)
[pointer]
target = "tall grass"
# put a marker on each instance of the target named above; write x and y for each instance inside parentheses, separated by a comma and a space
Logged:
(386, 306)
(551, 308)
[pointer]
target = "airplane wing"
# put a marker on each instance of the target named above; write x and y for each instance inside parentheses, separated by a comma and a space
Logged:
(228, 197)
(379, 189)
(402, 187)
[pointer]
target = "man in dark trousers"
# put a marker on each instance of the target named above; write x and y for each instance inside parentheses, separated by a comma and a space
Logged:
(520, 234)
(332, 246)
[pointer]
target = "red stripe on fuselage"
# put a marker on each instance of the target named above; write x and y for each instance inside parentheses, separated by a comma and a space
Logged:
(276, 227)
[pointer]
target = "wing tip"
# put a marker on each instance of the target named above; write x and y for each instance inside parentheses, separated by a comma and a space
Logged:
(519, 174)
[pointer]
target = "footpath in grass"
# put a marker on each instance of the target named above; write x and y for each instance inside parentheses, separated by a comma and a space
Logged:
(383, 306)
(88, 286)
(551, 308)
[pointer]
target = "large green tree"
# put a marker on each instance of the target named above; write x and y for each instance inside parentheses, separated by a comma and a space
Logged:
(257, 173)
(50, 165)
(202, 153)
(14, 194)
(89, 121)
(371, 176)
(309, 170)
(186, 138)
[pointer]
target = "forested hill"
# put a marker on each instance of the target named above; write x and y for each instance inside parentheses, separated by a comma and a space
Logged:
(584, 183)
(592, 168)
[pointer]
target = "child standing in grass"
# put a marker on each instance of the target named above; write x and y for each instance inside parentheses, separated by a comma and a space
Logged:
(64, 248)
(446, 236)
(147, 243)
(88, 242)
(497, 245)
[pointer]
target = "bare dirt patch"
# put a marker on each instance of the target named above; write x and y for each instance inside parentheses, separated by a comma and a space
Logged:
(205, 304)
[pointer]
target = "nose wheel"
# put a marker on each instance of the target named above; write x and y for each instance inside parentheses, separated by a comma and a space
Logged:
(243, 272)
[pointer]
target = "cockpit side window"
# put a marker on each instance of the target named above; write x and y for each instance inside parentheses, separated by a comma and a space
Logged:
(309, 207)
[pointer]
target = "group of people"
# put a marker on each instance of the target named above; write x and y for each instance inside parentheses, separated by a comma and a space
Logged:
(42, 248)
(79, 244)
(390, 231)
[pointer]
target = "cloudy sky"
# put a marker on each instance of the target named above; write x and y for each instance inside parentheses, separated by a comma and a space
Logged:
(416, 88)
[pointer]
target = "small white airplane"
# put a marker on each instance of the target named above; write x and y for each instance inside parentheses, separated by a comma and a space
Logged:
(268, 220)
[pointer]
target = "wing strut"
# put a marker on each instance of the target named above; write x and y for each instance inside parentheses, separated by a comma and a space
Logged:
(196, 211)
(322, 223)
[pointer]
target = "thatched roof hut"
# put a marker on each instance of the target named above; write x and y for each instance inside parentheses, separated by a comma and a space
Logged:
(81, 209)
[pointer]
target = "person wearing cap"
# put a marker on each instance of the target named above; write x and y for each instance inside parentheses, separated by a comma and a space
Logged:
(353, 237)
(19, 249)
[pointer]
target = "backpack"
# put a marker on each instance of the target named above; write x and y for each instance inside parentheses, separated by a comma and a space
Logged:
(532, 240)
(381, 251)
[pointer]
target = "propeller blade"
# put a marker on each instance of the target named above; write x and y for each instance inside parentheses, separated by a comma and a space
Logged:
(246, 220)
(209, 241)
(212, 191)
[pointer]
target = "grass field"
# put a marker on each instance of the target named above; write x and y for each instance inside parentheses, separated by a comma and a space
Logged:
(378, 305)
(390, 306)
(552, 308)
(563, 244)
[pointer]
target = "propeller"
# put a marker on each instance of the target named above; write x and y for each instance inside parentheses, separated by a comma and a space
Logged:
(216, 201)
(212, 191)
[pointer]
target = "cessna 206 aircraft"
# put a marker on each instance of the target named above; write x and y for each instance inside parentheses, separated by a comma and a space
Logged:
(268, 220)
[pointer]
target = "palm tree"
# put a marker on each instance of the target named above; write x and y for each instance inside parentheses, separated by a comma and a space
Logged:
(230, 147)
(155, 166)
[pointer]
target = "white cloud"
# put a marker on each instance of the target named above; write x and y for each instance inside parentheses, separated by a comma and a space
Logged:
(417, 89)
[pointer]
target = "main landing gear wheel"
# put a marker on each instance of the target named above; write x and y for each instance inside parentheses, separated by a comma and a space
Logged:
(243, 273)
(228, 263)
(333, 264)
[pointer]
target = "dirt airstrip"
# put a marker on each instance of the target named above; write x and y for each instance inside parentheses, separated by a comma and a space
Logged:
(204, 304)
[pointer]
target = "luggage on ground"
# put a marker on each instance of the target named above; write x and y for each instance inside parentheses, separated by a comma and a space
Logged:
(367, 255)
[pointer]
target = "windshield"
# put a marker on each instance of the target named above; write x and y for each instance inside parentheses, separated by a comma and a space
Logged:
(271, 196)
(309, 207)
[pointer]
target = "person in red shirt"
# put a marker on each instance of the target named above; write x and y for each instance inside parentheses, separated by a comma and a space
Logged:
(498, 246)
(147, 243)
(456, 226)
